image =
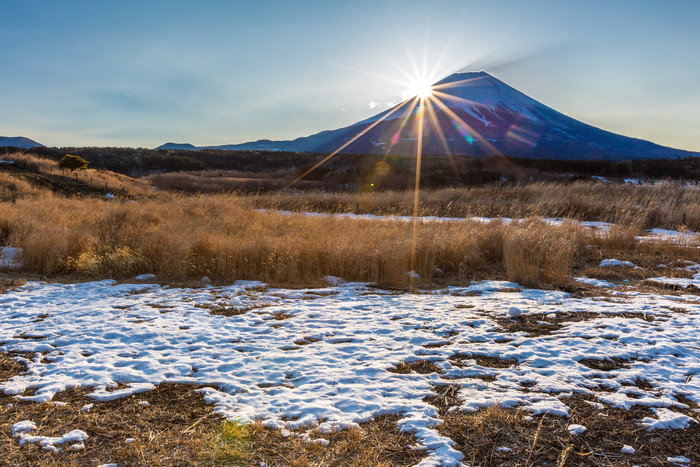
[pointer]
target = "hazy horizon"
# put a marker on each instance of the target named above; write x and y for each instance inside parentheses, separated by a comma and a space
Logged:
(213, 73)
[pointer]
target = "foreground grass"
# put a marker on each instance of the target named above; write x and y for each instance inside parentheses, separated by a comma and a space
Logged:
(181, 238)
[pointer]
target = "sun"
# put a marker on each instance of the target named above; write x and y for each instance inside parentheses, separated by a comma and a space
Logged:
(421, 88)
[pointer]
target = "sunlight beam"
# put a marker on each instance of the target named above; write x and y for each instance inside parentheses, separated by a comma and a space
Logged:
(456, 117)
(404, 121)
(355, 138)
(456, 84)
(416, 195)
(454, 98)
(441, 135)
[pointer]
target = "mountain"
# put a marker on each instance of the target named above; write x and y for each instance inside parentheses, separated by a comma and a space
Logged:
(18, 142)
(181, 146)
(474, 114)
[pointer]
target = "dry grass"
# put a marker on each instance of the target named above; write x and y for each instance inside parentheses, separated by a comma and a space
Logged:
(537, 254)
(187, 237)
(376, 443)
(643, 206)
(10, 366)
(181, 238)
(546, 440)
(12, 188)
(223, 181)
(423, 367)
(458, 360)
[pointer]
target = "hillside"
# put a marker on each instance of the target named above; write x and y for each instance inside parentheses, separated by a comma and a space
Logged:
(25, 175)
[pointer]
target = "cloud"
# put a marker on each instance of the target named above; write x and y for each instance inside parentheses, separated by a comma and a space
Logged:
(372, 105)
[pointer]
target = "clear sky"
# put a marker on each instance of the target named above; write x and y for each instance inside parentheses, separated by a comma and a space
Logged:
(140, 73)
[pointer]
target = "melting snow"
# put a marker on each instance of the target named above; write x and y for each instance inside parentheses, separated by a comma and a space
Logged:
(22, 427)
(627, 449)
(606, 263)
(681, 460)
(667, 419)
(594, 282)
(323, 362)
(677, 281)
(576, 429)
(145, 277)
(9, 257)
(49, 442)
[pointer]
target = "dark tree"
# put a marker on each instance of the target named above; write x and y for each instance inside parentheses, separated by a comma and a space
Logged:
(73, 163)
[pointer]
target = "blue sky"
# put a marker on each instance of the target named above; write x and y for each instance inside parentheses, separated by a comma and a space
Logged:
(140, 73)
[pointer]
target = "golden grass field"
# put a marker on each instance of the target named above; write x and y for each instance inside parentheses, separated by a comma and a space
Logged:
(183, 237)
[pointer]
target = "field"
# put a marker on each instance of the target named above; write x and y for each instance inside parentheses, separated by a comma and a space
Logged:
(175, 327)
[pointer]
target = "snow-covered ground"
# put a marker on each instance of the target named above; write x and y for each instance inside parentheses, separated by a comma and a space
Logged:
(319, 358)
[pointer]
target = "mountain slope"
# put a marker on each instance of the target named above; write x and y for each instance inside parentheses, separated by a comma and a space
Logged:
(475, 114)
(18, 142)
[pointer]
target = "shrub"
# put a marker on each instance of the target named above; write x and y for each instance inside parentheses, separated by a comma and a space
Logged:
(73, 163)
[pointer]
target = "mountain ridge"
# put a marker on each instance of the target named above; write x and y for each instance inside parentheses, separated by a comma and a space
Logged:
(479, 115)
(18, 142)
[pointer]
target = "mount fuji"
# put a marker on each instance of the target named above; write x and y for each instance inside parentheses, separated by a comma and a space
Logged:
(471, 114)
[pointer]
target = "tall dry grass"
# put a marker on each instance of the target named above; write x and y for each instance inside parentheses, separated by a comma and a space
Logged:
(534, 253)
(187, 237)
(644, 206)
(12, 188)
(222, 181)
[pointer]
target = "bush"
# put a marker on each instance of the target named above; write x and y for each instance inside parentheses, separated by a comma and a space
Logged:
(73, 163)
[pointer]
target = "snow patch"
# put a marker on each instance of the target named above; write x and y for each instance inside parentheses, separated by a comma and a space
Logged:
(576, 429)
(667, 420)
(606, 263)
(677, 281)
(594, 282)
(678, 460)
(145, 277)
(10, 257)
(22, 427)
(514, 312)
(49, 442)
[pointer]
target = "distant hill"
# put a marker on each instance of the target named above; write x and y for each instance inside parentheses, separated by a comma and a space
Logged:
(18, 142)
(474, 114)
(178, 146)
